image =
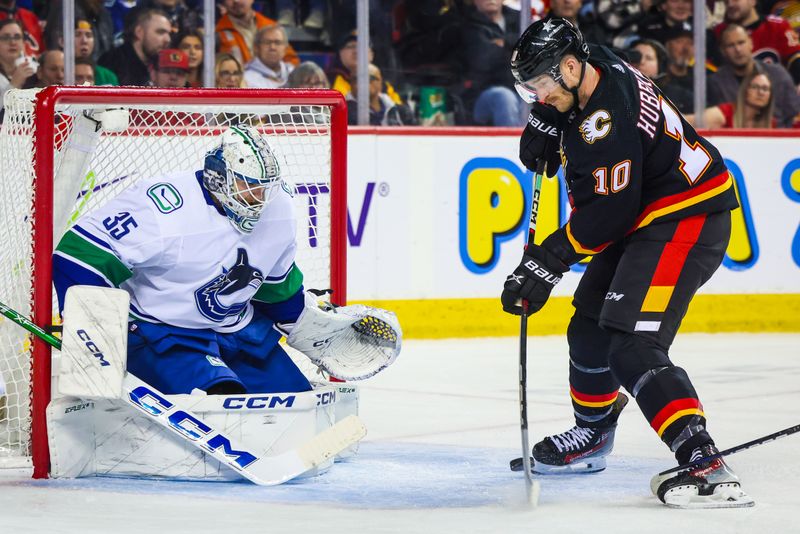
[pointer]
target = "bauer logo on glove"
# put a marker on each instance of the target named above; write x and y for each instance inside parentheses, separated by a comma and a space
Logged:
(349, 342)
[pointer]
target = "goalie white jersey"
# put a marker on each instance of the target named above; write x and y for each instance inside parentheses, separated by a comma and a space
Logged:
(183, 263)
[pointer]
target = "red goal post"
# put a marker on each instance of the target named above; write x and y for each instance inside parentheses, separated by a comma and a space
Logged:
(56, 168)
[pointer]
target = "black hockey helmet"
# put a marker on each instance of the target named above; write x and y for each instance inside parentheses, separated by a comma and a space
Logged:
(540, 48)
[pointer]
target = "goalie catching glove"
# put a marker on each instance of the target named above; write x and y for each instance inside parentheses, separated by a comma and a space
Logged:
(349, 342)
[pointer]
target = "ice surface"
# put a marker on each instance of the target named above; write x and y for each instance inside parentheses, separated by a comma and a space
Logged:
(443, 424)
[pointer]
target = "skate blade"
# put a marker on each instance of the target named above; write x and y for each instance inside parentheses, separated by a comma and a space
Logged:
(724, 496)
(579, 467)
(592, 465)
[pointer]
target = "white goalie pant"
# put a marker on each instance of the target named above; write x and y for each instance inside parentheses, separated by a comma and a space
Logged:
(109, 438)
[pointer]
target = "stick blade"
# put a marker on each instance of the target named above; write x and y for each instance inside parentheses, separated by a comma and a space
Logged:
(331, 441)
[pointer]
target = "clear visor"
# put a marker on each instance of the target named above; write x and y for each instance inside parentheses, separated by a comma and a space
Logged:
(536, 89)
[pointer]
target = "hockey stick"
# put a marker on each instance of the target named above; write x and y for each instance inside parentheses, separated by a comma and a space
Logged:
(738, 448)
(531, 486)
(170, 414)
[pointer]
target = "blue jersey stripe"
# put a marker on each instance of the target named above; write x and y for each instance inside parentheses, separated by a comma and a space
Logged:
(94, 239)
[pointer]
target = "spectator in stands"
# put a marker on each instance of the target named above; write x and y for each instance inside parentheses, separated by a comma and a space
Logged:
(571, 10)
(32, 30)
(171, 69)
(288, 10)
(267, 69)
(345, 66)
(309, 75)
(650, 57)
(620, 19)
(84, 49)
(383, 111)
(489, 32)
(182, 18)
(131, 61)
(668, 14)
(736, 47)
(680, 60)
(15, 67)
(754, 106)
(118, 10)
(191, 43)
(84, 71)
(237, 28)
(774, 40)
(50, 71)
(427, 41)
(90, 10)
(228, 72)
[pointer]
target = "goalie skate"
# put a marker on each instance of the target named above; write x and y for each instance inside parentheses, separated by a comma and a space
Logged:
(578, 450)
(709, 485)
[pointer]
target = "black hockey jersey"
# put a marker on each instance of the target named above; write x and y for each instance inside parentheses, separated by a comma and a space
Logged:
(630, 159)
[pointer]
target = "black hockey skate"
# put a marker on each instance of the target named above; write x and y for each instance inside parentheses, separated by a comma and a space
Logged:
(709, 485)
(578, 450)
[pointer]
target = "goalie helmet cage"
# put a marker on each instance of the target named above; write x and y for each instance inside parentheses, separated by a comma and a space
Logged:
(58, 164)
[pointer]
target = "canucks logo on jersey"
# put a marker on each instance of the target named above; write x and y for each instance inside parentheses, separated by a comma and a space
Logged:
(228, 294)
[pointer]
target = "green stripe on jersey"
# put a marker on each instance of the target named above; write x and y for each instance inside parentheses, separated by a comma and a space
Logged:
(101, 259)
(280, 291)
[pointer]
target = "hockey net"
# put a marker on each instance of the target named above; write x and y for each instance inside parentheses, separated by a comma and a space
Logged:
(57, 165)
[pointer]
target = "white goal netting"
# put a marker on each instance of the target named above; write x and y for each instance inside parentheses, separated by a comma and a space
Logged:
(139, 138)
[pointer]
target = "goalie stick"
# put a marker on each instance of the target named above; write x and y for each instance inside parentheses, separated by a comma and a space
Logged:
(531, 486)
(738, 448)
(170, 414)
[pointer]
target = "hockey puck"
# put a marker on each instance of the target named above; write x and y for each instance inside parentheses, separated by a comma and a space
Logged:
(516, 464)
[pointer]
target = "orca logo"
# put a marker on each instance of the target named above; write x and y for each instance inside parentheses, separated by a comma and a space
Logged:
(228, 294)
(596, 126)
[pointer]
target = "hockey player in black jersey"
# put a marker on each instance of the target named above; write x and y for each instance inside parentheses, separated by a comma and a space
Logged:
(651, 202)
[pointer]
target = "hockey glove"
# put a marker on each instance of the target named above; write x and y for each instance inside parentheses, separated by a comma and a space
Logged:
(541, 139)
(534, 279)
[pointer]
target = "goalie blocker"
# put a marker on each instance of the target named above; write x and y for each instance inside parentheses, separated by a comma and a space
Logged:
(90, 434)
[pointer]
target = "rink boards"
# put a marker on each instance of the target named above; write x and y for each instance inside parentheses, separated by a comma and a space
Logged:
(436, 222)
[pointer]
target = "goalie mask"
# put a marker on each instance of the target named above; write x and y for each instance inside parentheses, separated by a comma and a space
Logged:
(243, 175)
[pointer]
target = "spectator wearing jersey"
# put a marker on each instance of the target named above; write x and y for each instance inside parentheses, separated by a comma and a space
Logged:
(236, 31)
(383, 111)
(84, 71)
(754, 106)
(774, 40)
(489, 32)
(191, 43)
(228, 72)
(171, 69)
(736, 47)
(150, 33)
(34, 41)
(267, 70)
(92, 11)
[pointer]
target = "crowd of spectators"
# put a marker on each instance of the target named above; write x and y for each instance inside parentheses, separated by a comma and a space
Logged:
(461, 48)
